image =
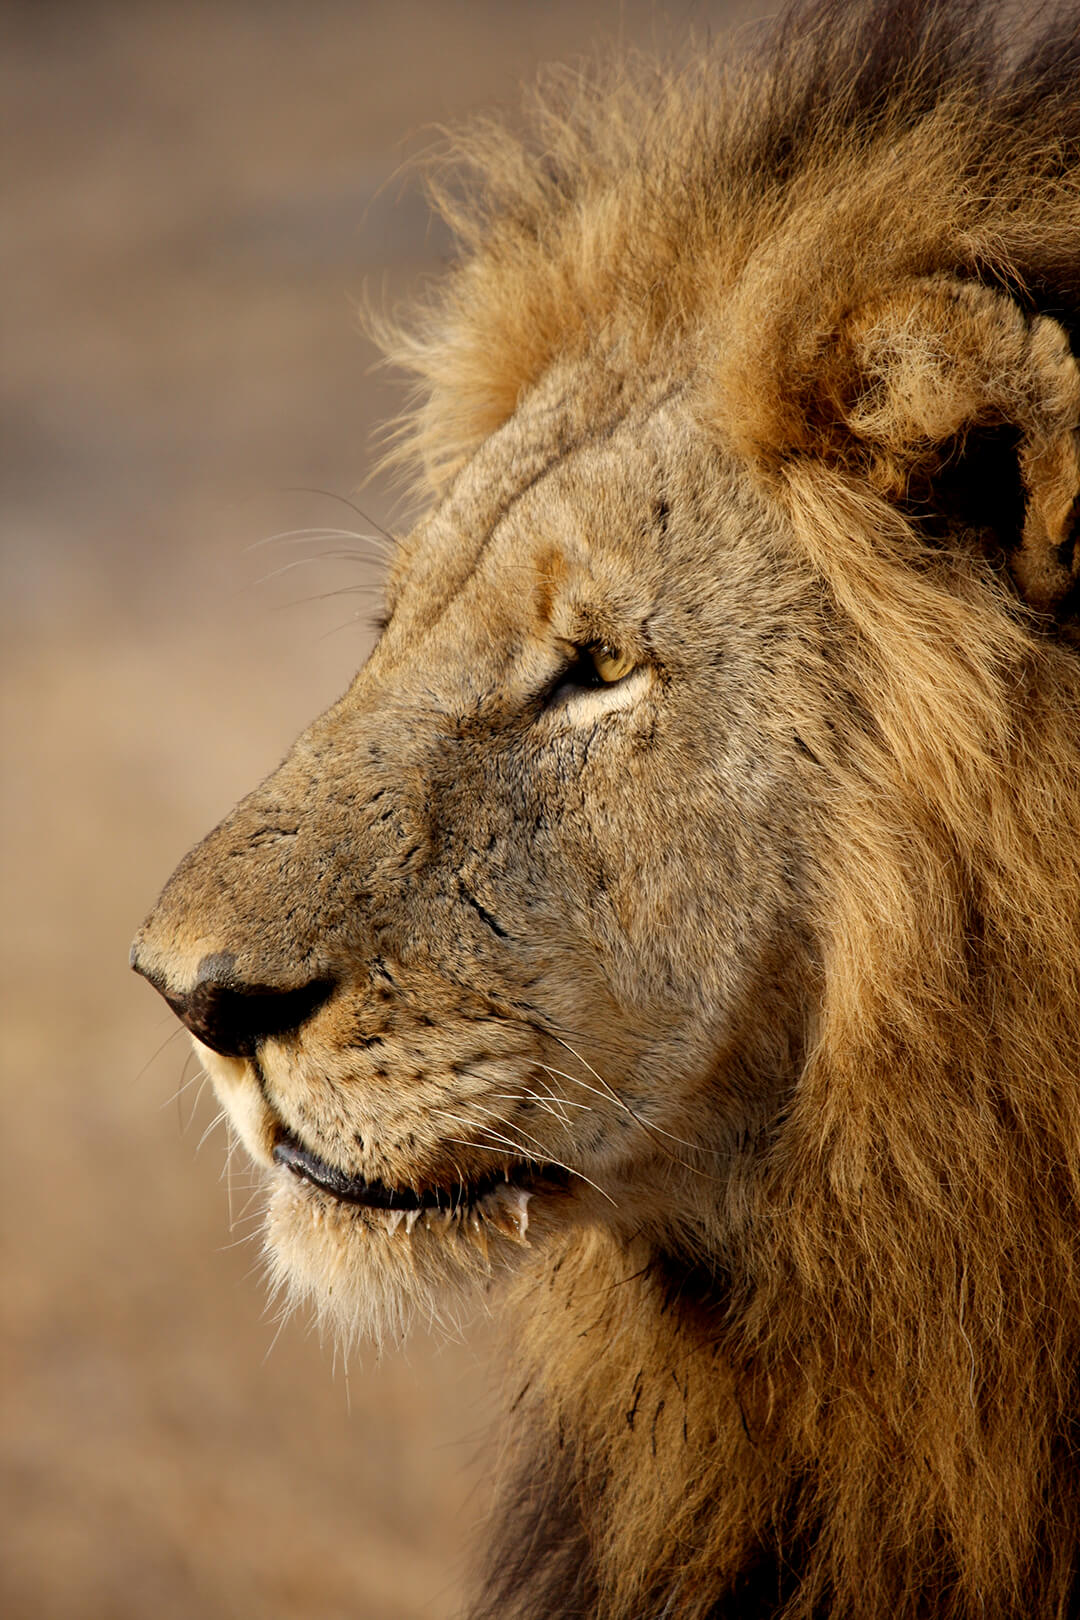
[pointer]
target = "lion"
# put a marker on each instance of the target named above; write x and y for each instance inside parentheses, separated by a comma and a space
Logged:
(676, 924)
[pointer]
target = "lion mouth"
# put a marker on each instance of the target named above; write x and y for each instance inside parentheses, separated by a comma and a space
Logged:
(501, 1196)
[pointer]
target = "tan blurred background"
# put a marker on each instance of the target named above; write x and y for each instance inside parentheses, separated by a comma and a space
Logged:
(196, 196)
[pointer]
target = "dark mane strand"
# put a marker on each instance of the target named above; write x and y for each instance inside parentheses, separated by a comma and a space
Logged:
(538, 1561)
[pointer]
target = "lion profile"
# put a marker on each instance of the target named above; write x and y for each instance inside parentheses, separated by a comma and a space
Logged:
(678, 918)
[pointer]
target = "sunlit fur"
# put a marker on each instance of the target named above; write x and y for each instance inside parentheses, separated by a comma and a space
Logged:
(431, 1276)
(785, 349)
(891, 1401)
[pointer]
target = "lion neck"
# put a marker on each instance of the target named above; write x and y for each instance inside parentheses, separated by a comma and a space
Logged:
(676, 1456)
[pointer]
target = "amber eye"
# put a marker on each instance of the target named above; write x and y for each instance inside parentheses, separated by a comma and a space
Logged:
(609, 663)
(597, 664)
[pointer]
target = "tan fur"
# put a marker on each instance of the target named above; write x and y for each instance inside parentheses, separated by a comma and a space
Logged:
(775, 946)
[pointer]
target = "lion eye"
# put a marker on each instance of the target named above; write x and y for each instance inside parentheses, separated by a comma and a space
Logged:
(597, 664)
(609, 663)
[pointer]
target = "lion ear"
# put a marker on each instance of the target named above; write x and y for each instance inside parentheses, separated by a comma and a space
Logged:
(967, 413)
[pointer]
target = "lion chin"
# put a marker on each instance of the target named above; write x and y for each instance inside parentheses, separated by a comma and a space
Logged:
(676, 921)
(374, 1260)
(374, 1273)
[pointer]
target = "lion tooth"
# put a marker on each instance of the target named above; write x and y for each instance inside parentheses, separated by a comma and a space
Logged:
(393, 1219)
(508, 1210)
(411, 1219)
(519, 1209)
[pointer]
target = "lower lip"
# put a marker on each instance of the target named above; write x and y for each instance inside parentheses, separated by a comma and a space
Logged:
(373, 1195)
(496, 1200)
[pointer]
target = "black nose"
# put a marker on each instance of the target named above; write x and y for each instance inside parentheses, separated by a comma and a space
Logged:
(233, 1017)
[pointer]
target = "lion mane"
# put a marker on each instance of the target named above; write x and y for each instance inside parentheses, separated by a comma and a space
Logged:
(850, 1387)
(883, 1408)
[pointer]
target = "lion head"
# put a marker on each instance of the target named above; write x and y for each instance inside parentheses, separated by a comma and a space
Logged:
(679, 912)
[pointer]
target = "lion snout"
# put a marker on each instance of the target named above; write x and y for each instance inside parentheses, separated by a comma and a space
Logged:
(268, 914)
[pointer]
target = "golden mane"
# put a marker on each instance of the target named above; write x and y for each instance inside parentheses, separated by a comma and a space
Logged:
(726, 720)
(889, 1385)
(742, 209)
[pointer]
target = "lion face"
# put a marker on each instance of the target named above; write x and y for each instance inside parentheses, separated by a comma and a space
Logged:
(517, 935)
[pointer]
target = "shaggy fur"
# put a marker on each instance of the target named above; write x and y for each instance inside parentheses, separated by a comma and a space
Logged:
(887, 1375)
(786, 353)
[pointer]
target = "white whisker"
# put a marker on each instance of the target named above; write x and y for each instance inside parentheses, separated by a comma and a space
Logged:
(312, 537)
(216, 1121)
(518, 1148)
(609, 1090)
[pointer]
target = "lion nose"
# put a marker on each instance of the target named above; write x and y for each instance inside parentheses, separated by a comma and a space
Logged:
(231, 1016)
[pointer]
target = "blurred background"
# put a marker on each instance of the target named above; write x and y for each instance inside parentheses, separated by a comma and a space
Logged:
(197, 196)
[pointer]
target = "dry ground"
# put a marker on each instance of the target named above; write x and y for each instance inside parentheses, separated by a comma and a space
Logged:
(192, 208)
